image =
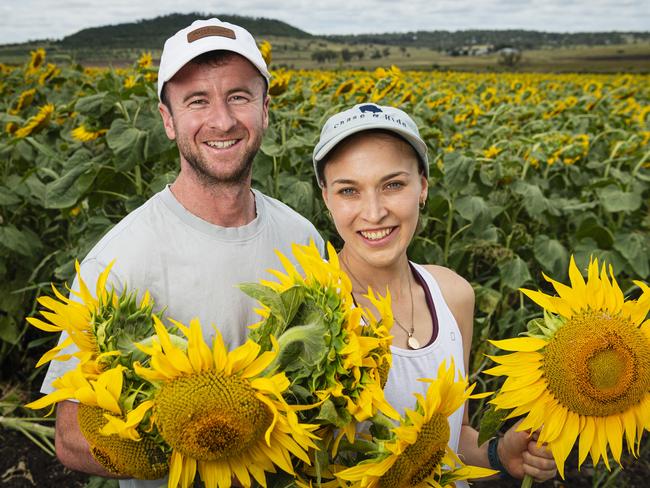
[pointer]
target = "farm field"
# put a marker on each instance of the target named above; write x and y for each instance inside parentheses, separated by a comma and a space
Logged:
(298, 53)
(527, 169)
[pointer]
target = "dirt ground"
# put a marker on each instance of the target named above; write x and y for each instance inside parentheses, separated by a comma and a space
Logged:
(23, 465)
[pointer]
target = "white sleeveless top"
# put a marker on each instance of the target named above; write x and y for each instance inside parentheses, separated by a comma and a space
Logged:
(409, 365)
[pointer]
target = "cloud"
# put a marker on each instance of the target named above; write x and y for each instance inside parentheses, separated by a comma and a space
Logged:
(23, 20)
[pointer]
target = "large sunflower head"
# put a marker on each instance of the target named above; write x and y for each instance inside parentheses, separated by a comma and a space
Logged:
(584, 371)
(325, 351)
(418, 454)
(218, 412)
(103, 326)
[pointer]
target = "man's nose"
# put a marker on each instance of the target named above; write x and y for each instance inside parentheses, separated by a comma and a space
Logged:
(221, 117)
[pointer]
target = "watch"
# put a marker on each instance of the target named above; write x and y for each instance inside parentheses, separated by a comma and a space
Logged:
(493, 458)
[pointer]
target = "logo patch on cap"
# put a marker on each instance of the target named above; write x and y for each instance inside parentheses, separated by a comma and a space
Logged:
(369, 108)
(210, 30)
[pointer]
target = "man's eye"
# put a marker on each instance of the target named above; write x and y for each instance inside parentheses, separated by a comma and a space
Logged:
(346, 192)
(238, 99)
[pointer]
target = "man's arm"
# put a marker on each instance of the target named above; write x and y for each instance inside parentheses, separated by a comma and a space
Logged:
(71, 446)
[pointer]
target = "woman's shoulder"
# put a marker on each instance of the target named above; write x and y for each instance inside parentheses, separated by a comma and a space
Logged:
(456, 290)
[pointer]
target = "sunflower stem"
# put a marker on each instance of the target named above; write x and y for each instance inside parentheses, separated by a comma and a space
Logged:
(527, 481)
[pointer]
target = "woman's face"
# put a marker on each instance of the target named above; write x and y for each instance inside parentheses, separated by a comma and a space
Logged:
(373, 189)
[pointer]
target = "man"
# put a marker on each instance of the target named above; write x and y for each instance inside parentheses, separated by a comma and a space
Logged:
(190, 244)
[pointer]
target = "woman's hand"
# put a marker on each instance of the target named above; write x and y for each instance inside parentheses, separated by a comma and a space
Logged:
(520, 455)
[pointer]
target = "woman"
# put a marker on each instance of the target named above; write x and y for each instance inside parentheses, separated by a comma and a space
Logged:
(372, 167)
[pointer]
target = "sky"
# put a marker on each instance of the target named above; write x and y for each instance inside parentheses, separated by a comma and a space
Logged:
(22, 20)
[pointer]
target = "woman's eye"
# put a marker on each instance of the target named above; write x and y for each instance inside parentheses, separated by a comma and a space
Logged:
(394, 185)
(346, 192)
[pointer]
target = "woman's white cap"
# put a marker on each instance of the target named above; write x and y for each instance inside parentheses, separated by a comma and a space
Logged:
(369, 116)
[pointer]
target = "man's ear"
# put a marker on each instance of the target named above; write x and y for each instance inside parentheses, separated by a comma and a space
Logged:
(265, 107)
(168, 121)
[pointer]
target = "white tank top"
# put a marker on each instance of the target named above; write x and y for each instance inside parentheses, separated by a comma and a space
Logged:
(410, 365)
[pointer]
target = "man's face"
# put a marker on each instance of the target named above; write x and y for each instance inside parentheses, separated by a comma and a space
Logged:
(218, 116)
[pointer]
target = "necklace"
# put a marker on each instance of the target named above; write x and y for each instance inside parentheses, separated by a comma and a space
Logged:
(411, 341)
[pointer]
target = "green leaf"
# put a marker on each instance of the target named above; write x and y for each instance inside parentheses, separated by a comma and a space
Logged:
(292, 299)
(473, 209)
(7, 197)
(514, 273)
(533, 199)
(487, 299)
(458, 171)
(590, 227)
(299, 195)
(634, 248)
(66, 191)
(303, 348)
(490, 423)
(615, 200)
(9, 331)
(99, 482)
(328, 413)
(45, 150)
(266, 296)
(552, 255)
(91, 104)
(23, 242)
(127, 142)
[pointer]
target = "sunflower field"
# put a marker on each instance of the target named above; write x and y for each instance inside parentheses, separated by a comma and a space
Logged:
(527, 170)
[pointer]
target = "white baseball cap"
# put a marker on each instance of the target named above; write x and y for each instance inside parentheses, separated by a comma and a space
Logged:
(204, 36)
(369, 116)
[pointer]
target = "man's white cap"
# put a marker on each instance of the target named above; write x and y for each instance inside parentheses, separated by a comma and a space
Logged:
(369, 116)
(204, 36)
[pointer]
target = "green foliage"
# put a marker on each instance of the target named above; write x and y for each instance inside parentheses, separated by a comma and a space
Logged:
(526, 170)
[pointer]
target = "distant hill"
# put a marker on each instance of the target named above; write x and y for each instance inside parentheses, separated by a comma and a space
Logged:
(152, 33)
(523, 39)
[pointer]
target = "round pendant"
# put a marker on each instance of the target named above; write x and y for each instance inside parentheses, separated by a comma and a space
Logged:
(413, 343)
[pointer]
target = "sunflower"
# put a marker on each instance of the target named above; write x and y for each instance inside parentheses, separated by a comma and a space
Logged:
(110, 430)
(102, 327)
(219, 413)
(37, 122)
(419, 455)
(328, 355)
(145, 61)
(584, 371)
(25, 99)
(83, 134)
(265, 49)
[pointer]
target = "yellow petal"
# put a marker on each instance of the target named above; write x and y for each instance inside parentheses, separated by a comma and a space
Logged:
(524, 344)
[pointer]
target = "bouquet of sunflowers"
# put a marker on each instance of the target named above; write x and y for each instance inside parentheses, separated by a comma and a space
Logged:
(303, 394)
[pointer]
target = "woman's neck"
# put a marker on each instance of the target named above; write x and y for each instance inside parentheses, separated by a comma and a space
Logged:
(395, 277)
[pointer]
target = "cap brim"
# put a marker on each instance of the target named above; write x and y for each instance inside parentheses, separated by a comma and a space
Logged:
(417, 144)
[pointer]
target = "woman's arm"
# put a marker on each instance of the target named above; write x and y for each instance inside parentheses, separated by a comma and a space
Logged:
(518, 451)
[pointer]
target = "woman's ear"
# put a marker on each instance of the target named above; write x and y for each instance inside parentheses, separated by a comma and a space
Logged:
(425, 190)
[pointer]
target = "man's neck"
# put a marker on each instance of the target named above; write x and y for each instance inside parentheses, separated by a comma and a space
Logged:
(222, 205)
